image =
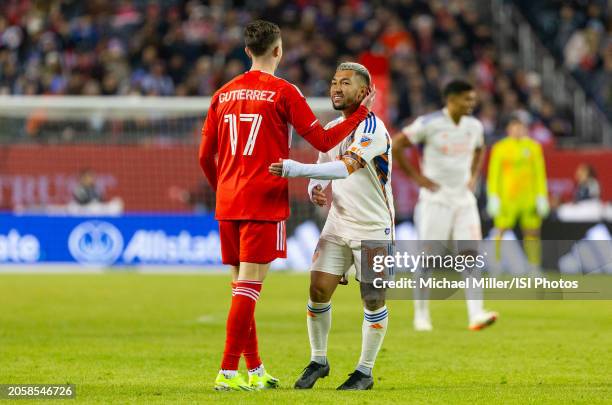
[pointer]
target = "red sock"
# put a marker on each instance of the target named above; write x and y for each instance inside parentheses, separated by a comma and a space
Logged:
(239, 322)
(251, 350)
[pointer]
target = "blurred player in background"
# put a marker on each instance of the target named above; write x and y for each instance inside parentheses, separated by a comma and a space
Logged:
(587, 185)
(362, 209)
(516, 188)
(447, 210)
(249, 127)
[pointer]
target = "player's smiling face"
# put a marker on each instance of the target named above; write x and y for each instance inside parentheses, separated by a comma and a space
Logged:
(347, 90)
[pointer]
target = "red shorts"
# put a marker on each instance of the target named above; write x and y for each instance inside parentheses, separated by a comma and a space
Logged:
(252, 241)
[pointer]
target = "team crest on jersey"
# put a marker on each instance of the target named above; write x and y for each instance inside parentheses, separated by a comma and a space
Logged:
(365, 141)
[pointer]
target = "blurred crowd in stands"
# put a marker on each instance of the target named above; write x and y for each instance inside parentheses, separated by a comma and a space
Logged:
(579, 33)
(121, 47)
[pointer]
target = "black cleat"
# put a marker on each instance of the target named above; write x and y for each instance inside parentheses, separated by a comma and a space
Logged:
(311, 374)
(357, 381)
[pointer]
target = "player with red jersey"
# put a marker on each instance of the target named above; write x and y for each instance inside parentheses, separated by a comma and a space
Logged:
(248, 126)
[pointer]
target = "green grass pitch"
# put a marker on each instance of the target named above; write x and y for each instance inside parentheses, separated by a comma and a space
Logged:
(129, 338)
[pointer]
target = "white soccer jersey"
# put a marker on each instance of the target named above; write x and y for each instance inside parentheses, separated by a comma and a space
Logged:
(362, 206)
(448, 153)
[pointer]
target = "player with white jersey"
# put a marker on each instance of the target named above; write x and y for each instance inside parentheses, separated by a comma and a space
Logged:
(362, 209)
(368, 213)
(453, 152)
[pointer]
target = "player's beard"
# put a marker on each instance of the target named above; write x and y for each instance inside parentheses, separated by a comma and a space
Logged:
(346, 103)
(339, 107)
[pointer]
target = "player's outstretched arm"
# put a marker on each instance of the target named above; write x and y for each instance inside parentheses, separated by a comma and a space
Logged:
(400, 143)
(355, 158)
(307, 125)
(321, 171)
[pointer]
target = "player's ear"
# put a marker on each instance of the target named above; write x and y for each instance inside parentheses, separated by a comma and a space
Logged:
(363, 91)
(248, 52)
(276, 52)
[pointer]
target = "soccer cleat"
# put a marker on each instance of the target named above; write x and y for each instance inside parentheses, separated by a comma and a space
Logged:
(311, 374)
(357, 381)
(483, 320)
(422, 325)
(264, 382)
(236, 383)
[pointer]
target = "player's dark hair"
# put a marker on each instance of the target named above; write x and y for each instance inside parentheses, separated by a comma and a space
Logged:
(260, 35)
(456, 87)
(359, 70)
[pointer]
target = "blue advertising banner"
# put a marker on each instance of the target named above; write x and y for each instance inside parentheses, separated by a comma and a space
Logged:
(110, 241)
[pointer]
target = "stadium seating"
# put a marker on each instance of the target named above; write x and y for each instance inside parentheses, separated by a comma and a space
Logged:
(186, 48)
(580, 35)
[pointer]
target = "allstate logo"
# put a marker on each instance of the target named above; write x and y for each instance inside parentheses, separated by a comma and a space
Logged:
(95, 243)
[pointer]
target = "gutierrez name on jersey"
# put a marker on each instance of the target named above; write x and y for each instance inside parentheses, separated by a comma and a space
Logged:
(247, 95)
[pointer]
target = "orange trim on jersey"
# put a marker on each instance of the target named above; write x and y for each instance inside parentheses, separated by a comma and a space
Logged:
(353, 162)
(383, 177)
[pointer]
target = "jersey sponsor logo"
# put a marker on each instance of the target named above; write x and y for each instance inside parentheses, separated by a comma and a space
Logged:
(247, 95)
(95, 243)
(365, 141)
(387, 231)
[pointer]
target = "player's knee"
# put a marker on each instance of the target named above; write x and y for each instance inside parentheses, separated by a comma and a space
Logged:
(319, 293)
(374, 304)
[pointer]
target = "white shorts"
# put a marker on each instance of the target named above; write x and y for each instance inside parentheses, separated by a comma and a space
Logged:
(335, 255)
(439, 221)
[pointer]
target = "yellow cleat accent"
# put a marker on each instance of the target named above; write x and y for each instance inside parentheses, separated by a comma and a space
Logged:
(236, 383)
(263, 383)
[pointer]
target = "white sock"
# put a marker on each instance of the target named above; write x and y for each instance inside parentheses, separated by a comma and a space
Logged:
(474, 308)
(421, 309)
(421, 295)
(473, 296)
(373, 332)
(228, 373)
(258, 371)
(318, 320)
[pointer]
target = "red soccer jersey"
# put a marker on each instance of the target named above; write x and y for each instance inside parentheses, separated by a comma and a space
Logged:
(249, 125)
